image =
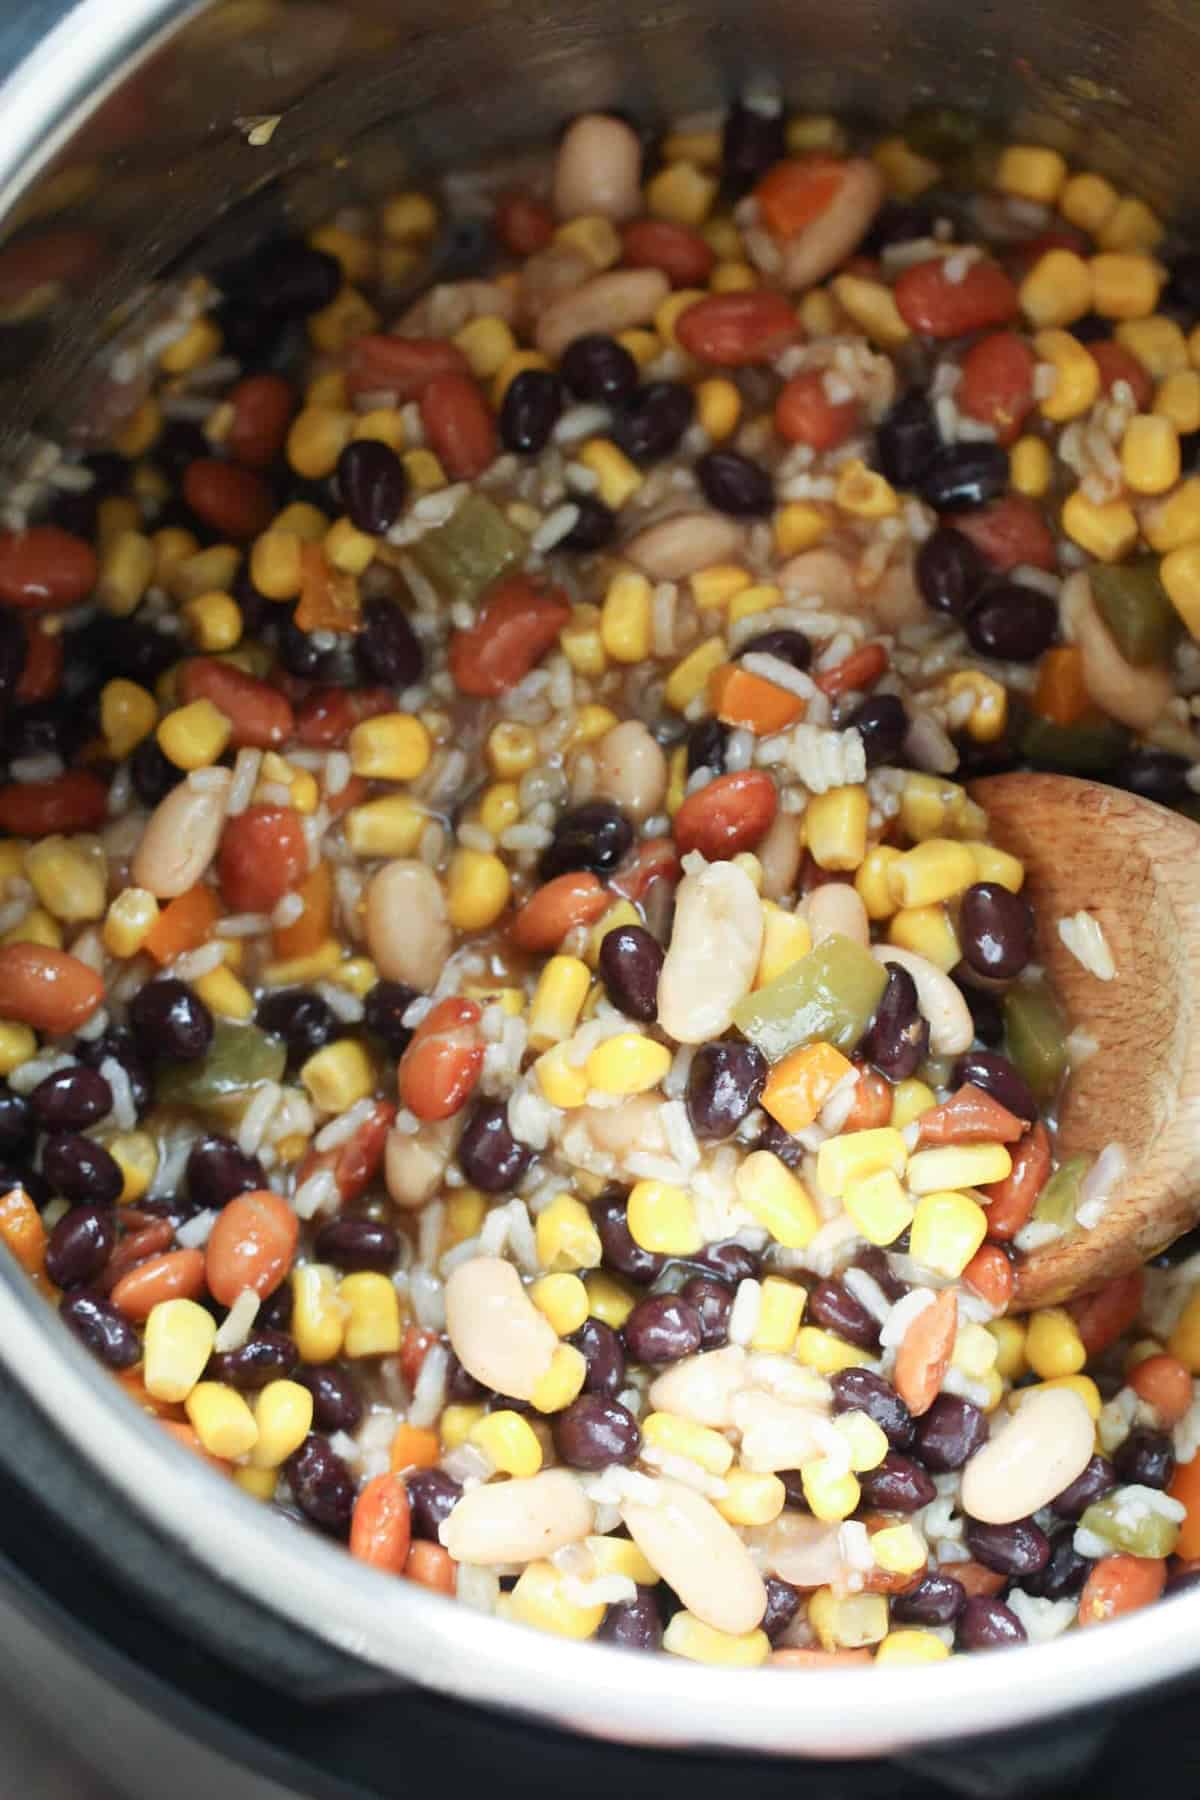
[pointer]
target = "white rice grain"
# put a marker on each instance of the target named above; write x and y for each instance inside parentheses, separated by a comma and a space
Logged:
(234, 1328)
(257, 1117)
(1084, 937)
(124, 1111)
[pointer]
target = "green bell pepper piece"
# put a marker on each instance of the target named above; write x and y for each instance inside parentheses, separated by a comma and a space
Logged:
(221, 1082)
(470, 551)
(829, 996)
(1127, 1522)
(1037, 1036)
(1133, 603)
(1090, 747)
(1059, 1198)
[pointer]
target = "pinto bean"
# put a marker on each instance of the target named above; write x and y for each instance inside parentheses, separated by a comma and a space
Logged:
(631, 769)
(407, 931)
(181, 837)
(612, 302)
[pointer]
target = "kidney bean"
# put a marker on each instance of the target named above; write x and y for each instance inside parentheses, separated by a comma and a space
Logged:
(935, 1599)
(1018, 1549)
(924, 1353)
(594, 835)
(81, 1170)
(725, 1081)
(80, 1245)
(517, 624)
(354, 1243)
(401, 366)
(594, 1431)
(965, 475)
(713, 1302)
(1103, 1317)
(662, 1329)
(263, 855)
(555, 908)
(969, 1116)
(77, 801)
(597, 367)
(530, 410)
(458, 425)
(629, 965)
(897, 1039)
(217, 1172)
(381, 1529)
(1063, 1573)
(651, 423)
(907, 442)
(861, 1390)
(930, 303)
(262, 410)
(490, 1157)
(1013, 623)
(734, 484)
(71, 1099)
(680, 252)
(987, 1624)
(950, 572)
(46, 567)
(729, 815)
(234, 502)
(439, 1070)
(177, 1275)
(260, 717)
(990, 1274)
(632, 1624)
(251, 1246)
(322, 1485)
(804, 413)
(265, 1356)
(1164, 1383)
(997, 383)
(1011, 1201)
(738, 330)
(898, 1484)
(1009, 531)
(99, 1326)
(170, 1022)
(1146, 1458)
(950, 1432)
(1118, 1585)
(1116, 363)
(996, 1076)
(522, 223)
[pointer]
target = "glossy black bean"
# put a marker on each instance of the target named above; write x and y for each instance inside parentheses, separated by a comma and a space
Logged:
(252, 336)
(337, 1403)
(297, 652)
(1155, 774)
(16, 1120)
(1012, 623)
(782, 1144)
(264, 1357)
(633, 1624)
(897, 1039)
(460, 1386)
(964, 476)
(988, 1070)
(596, 367)
(530, 410)
(620, 1253)
(43, 729)
(301, 1018)
(725, 1080)
(751, 142)
(907, 441)
(950, 572)
(950, 1432)
(594, 835)
(80, 1245)
(793, 1488)
(372, 483)
(275, 1313)
(730, 1262)
(217, 1172)
(629, 964)
(1097, 1479)
(594, 1431)
(602, 1352)
(651, 424)
(81, 1170)
(995, 927)
(595, 525)
(713, 1301)
(1146, 1458)
(152, 775)
(861, 1390)
(882, 723)
(432, 1497)
(706, 742)
(129, 648)
(286, 277)
(783, 1603)
(489, 1155)
(986, 1014)
(322, 1485)
(387, 647)
(791, 647)
(834, 1308)
(352, 1242)
(12, 653)
(71, 1099)
(383, 1012)
(1091, 328)
(733, 484)
(1018, 1549)
(937, 1599)
(986, 1624)
(662, 1329)
(900, 222)
(1183, 285)
(874, 1262)
(898, 1484)
(105, 1331)
(1064, 1571)
(170, 1022)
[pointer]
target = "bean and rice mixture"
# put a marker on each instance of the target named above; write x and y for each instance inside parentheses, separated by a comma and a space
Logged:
(518, 1047)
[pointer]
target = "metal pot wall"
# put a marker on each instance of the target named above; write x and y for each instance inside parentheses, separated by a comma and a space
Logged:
(129, 141)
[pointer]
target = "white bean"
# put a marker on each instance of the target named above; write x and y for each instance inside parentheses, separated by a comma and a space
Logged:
(775, 1433)
(446, 308)
(951, 1027)
(701, 1388)
(835, 907)
(415, 1162)
(518, 1521)
(700, 1555)
(676, 547)
(896, 600)
(496, 1332)
(610, 303)
(631, 769)
(621, 1131)
(1137, 697)
(823, 575)
(813, 252)
(713, 954)
(1046, 1444)
(802, 1550)
(407, 931)
(780, 853)
(599, 169)
(181, 838)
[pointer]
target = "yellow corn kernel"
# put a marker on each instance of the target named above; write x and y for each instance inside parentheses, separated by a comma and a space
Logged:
(938, 869)
(1131, 226)
(824, 1353)
(511, 749)
(318, 1312)
(260, 1484)
(373, 1325)
(931, 806)
(347, 548)
(215, 621)
(1089, 202)
(172, 545)
(817, 313)
(975, 1350)
(487, 343)
(563, 1083)
(856, 1155)
(608, 1299)
(947, 1230)
(956, 1166)
(390, 747)
(592, 722)
(17, 1044)
(878, 1204)
(1076, 374)
(872, 880)
(37, 927)
(478, 885)
(900, 1550)
(126, 571)
(295, 971)
(338, 1076)
(1009, 1336)
(582, 643)
(702, 147)
(866, 1444)
(1140, 1352)
(780, 1310)
(391, 826)
(136, 1155)
(994, 864)
(539, 1599)
(661, 1218)
(1157, 342)
(408, 217)
(906, 173)
(732, 278)
(209, 571)
(566, 1237)
(625, 618)
(221, 1420)
(1178, 399)
(617, 478)
(872, 307)
(682, 193)
(1083, 1385)
(836, 827)
(140, 430)
(563, 1300)
(929, 931)
(864, 493)
(113, 516)
(562, 1382)
(224, 994)
(283, 1414)
(13, 852)
(348, 315)
(70, 877)
(1031, 172)
(750, 1498)
(1150, 458)
(1053, 1345)
(778, 1199)
(1180, 576)
(797, 526)
(620, 1556)
(752, 869)
(1108, 531)
(1125, 285)
(1174, 522)
(786, 938)
(466, 1209)
(680, 1437)
(194, 736)
(1030, 466)
(354, 255)
(316, 438)
(688, 680)
(382, 425)
(301, 520)
(642, 344)
(848, 1623)
(557, 1000)
(1057, 290)
(677, 775)
(989, 715)
(510, 1441)
(815, 131)
(622, 912)
(128, 713)
(178, 1343)
(759, 598)
(832, 1493)
(690, 1637)
(500, 807)
(718, 408)
(627, 1063)
(425, 473)
(593, 236)
(911, 1645)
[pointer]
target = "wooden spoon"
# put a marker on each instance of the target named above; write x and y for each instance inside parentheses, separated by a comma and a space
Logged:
(1136, 868)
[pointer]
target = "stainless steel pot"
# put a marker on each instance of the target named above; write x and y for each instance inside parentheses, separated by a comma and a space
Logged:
(141, 114)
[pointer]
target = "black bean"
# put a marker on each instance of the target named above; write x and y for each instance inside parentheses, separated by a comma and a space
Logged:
(275, 1313)
(1183, 1581)
(793, 1488)
(81, 1170)
(1012, 622)
(170, 1023)
(713, 1302)
(80, 1245)
(1097, 1479)
(900, 222)
(874, 1262)
(1183, 286)
(117, 1044)
(782, 1144)
(106, 1332)
(297, 652)
(460, 1386)
(286, 277)
(730, 1262)
(1063, 1573)
(44, 729)
(180, 442)
(937, 1599)
(337, 1403)
(965, 475)
(995, 928)
(882, 724)
(907, 441)
(751, 142)
(265, 1356)
(129, 648)
(152, 775)
(1018, 1549)
(725, 1080)
(12, 653)
(595, 525)
(986, 1013)
(897, 1039)
(950, 1432)
(592, 836)
(301, 1018)
(383, 1010)
(733, 484)
(789, 646)
(1155, 774)
(860, 1390)
(988, 1070)
(354, 1243)
(651, 424)
(783, 1603)
(620, 1253)
(71, 1099)
(596, 1430)
(630, 961)
(322, 1485)
(489, 1155)
(1146, 1458)
(530, 411)
(596, 367)
(986, 1624)
(602, 1352)
(217, 1172)
(16, 1120)
(251, 336)
(372, 483)
(633, 1624)
(950, 572)
(432, 1497)
(387, 647)
(706, 741)
(662, 1329)
(898, 1484)
(834, 1308)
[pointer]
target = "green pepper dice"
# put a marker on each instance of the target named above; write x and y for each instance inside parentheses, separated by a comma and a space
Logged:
(469, 552)
(829, 996)
(1037, 1036)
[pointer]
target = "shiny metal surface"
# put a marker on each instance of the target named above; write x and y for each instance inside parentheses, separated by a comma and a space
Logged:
(363, 92)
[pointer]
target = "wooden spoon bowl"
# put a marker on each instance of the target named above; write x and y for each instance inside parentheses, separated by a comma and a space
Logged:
(1136, 868)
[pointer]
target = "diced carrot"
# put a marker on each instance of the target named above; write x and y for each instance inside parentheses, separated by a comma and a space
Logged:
(1061, 694)
(792, 194)
(970, 1117)
(315, 923)
(751, 701)
(432, 1567)
(800, 1084)
(1120, 1584)
(43, 669)
(22, 1230)
(413, 1448)
(1185, 1487)
(183, 924)
(329, 598)
(924, 1353)
(1164, 1383)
